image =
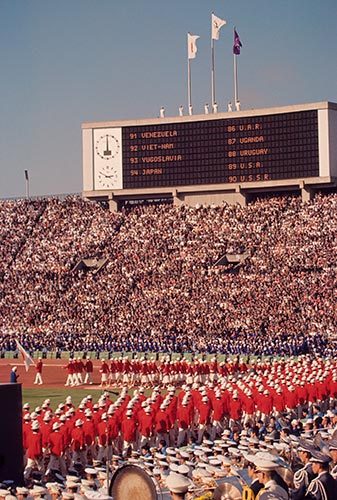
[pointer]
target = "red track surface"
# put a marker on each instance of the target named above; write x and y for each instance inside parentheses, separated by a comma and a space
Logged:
(53, 373)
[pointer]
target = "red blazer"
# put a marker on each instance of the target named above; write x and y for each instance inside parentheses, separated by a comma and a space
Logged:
(57, 444)
(34, 445)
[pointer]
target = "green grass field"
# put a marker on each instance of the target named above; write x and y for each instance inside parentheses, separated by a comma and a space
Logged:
(35, 397)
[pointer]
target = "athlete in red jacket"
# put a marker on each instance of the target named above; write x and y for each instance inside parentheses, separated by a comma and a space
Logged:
(57, 449)
(78, 442)
(129, 431)
(34, 451)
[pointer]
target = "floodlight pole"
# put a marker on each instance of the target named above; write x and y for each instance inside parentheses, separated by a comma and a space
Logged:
(27, 184)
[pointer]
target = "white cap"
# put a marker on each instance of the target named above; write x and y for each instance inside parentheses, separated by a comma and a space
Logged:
(265, 465)
(177, 483)
(90, 470)
(21, 490)
(96, 495)
(183, 469)
(67, 496)
(38, 490)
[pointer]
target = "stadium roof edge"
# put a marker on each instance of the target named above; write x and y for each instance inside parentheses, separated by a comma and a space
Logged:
(60, 196)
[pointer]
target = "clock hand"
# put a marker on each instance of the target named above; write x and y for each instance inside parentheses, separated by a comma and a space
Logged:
(107, 151)
(106, 175)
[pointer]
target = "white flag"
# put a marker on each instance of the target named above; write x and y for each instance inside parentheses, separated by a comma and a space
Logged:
(27, 360)
(192, 45)
(217, 23)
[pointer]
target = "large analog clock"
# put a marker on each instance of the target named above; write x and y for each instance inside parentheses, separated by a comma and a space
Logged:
(107, 177)
(107, 159)
(107, 147)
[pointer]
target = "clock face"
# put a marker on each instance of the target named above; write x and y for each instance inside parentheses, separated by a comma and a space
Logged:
(107, 159)
(107, 176)
(107, 147)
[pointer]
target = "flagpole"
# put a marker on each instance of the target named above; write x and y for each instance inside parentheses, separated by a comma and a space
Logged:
(191, 53)
(213, 76)
(216, 24)
(189, 82)
(236, 92)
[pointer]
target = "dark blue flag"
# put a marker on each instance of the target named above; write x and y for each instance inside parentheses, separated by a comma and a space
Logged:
(237, 44)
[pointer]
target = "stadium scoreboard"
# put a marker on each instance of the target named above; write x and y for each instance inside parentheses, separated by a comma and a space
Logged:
(221, 151)
(217, 149)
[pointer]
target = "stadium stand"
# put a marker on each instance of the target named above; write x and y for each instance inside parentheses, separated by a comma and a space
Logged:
(160, 289)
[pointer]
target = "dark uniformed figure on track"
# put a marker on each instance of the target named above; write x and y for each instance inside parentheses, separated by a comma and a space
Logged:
(14, 375)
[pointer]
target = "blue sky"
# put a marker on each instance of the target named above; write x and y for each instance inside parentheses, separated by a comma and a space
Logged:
(66, 62)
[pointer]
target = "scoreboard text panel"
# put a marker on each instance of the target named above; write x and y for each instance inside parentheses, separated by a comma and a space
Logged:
(229, 150)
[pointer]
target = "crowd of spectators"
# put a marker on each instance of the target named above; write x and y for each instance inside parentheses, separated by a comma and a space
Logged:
(160, 290)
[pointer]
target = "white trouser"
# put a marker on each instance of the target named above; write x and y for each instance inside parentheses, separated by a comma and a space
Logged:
(38, 378)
